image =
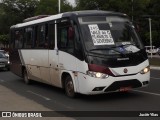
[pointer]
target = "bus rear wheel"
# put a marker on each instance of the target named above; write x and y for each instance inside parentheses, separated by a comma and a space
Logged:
(25, 77)
(69, 87)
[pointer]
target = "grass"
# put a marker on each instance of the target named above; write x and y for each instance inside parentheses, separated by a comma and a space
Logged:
(154, 61)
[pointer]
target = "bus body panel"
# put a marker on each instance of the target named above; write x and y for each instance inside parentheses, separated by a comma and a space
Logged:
(130, 70)
(37, 64)
(54, 68)
(87, 83)
(48, 65)
(68, 64)
(46, 19)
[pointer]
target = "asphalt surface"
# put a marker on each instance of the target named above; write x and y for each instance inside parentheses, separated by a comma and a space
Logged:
(17, 96)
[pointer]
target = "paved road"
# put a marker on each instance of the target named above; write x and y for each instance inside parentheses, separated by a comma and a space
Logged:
(17, 96)
(154, 56)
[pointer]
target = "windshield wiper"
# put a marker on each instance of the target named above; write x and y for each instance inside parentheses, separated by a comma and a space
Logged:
(107, 49)
(124, 45)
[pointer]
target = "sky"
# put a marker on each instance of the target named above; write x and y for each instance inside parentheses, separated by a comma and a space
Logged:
(72, 2)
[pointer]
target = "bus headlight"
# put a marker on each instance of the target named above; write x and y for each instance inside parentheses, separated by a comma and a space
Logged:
(97, 74)
(145, 70)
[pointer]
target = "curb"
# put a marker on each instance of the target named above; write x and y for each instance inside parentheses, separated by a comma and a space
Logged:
(155, 68)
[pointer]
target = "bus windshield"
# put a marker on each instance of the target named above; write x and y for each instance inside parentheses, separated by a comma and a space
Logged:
(109, 35)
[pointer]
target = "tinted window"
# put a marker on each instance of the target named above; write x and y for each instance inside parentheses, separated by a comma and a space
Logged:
(2, 55)
(41, 39)
(104, 36)
(18, 38)
(51, 35)
(28, 37)
(66, 37)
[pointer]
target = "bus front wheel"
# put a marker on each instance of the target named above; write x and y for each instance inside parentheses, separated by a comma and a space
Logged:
(25, 77)
(69, 87)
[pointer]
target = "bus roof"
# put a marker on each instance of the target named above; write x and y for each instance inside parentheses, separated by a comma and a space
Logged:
(67, 14)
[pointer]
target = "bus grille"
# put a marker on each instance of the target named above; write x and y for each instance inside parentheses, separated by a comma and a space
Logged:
(126, 83)
(2, 63)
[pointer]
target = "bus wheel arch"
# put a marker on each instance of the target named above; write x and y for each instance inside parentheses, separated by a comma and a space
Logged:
(68, 85)
(25, 76)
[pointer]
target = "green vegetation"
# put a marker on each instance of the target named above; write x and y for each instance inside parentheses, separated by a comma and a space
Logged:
(15, 11)
(154, 61)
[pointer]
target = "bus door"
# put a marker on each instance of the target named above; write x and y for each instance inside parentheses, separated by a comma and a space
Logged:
(54, 68)
(65, 45)
(53, 55)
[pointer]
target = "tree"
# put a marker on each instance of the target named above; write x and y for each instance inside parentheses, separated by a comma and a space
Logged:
(14, 12)
(66, 6)
(50, 7)
(124, 6)
(47, 7)
(4, 39)
(19, 9)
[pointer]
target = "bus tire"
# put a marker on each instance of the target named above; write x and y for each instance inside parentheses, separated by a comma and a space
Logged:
(69, 87)
(25, 77)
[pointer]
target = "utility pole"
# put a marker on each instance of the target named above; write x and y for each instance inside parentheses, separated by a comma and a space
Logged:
(59, 6)
(150, 29)
(132, 10)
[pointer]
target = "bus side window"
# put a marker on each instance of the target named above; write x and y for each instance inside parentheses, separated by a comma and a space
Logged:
(78, 44)
(41, 41)
(51, 35)
(18, 38)
(28, 37)
(66, 38)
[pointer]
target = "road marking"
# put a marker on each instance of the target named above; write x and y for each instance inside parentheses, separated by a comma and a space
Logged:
(46, 98)
(157, 94)
(155, 78)
(1, 80)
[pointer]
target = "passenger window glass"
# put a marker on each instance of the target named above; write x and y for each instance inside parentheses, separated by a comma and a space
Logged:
(28, 37)
(51, 35)
(63, 42)
(41, 40)
(18, 38)
(66, 37)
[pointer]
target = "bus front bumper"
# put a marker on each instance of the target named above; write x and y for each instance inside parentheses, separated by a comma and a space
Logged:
(90, 85)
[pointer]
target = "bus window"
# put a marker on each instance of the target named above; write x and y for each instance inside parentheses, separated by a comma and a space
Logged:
(66, 38)
(28, 37)
(41, 36)
(18, 39)
(51, 35)
(78, 44)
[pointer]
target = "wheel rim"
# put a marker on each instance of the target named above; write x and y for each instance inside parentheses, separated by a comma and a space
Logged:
(70, 88)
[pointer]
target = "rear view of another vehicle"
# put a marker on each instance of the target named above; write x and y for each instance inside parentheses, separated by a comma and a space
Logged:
(150, 50)
(4, 62)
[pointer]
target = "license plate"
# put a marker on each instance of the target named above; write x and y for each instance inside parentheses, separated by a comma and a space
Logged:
(123, 89)
(2, 65)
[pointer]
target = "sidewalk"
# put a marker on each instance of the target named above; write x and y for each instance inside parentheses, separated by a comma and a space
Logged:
(11, 101)
(155, 67)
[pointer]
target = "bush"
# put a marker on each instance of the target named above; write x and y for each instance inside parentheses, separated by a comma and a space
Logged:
(4, 39)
